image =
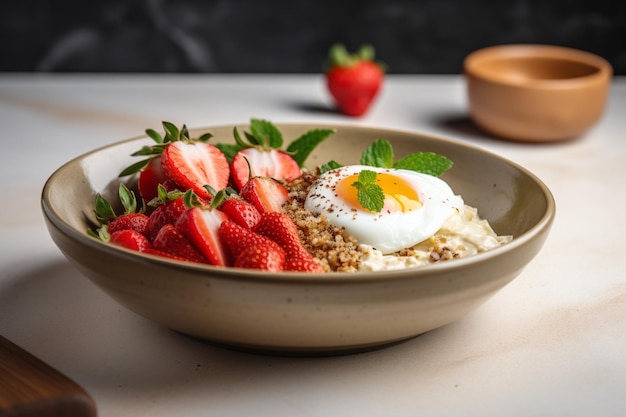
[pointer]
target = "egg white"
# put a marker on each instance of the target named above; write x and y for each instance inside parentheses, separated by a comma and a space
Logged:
(386, 231)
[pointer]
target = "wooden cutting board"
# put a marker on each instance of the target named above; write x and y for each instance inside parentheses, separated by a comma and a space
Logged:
(30, 387)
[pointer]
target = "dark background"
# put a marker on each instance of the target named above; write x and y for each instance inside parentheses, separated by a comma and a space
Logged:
(237, 36)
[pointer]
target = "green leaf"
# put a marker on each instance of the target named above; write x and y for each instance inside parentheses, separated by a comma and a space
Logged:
(425, 162)
(127, 197)
(184, 134)
(228, 150)
(330, 165)
(205, 137)
(103, 210)
(378, 154)
(154, 135)
(301, 148)
(266, 133)
(171, 132)
(134, 168)
(369, 194)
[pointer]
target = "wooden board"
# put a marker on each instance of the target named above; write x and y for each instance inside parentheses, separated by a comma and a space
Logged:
(30, 387)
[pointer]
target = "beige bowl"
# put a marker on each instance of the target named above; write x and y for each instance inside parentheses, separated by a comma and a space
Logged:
(536, 93)
(305, 313)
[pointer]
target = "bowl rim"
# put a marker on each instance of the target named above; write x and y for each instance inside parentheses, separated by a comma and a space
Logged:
(332, 278)
(472, 64)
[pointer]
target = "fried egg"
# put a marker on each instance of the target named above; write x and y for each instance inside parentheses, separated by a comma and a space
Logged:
(416, 206)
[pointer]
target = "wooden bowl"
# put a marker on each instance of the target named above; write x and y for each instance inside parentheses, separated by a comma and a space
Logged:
(536, 93)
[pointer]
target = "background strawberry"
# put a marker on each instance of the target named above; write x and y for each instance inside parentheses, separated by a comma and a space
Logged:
(354, 80)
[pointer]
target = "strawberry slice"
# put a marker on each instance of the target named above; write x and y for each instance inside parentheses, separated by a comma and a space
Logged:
(171, 241)
(200, 226)
(280, 228)
(255, 162)
(261, 257)
(265, 193)
(193, 165)
(241, 212)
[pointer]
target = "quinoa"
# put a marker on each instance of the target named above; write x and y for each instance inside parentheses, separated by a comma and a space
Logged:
(328, 244)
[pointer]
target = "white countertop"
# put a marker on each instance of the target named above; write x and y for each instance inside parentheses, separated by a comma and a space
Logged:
(552, 343)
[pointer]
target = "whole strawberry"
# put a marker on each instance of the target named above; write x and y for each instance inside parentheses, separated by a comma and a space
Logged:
(354, 80)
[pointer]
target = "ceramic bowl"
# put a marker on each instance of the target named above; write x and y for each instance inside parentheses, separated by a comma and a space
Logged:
(536, 93)
(298, 313)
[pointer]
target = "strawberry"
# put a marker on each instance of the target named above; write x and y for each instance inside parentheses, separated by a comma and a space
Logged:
(241, 212)
(353, 80)
(200, 226)
(133, 217)
(186, 162)
(194, 165)
(130, 221)
(255, 162)
(169, 206)
(280, 228)
(149, 179)
(237, 238)
(171, 241)
(261, 257)
(130, 239)
(265, 193)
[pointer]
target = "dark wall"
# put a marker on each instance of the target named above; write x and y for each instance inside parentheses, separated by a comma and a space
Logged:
(233, 36)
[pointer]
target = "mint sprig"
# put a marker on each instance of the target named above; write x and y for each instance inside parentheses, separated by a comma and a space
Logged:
(380, 154)
(369, 194)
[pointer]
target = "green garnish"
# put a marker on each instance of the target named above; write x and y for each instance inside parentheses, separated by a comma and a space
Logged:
(369, 194)
(380, 154)
(265, 135)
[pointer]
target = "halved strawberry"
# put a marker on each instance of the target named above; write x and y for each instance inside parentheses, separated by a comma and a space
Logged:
(200, 226)
(256, 162)
(241, 212)
(265, 193)
(193, 165)
(261, 257)
(171, 241)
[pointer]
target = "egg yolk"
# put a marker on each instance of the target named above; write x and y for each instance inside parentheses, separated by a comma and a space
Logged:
(399, 195)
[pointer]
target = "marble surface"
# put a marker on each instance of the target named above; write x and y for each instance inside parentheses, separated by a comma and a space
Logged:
(551, 343)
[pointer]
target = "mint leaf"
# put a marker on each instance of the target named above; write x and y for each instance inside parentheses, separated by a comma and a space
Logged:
(330, 165)
(369, 194)
(425, 162)
(301, 148)
(378, 154)
(265, 134)
(229, 150)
